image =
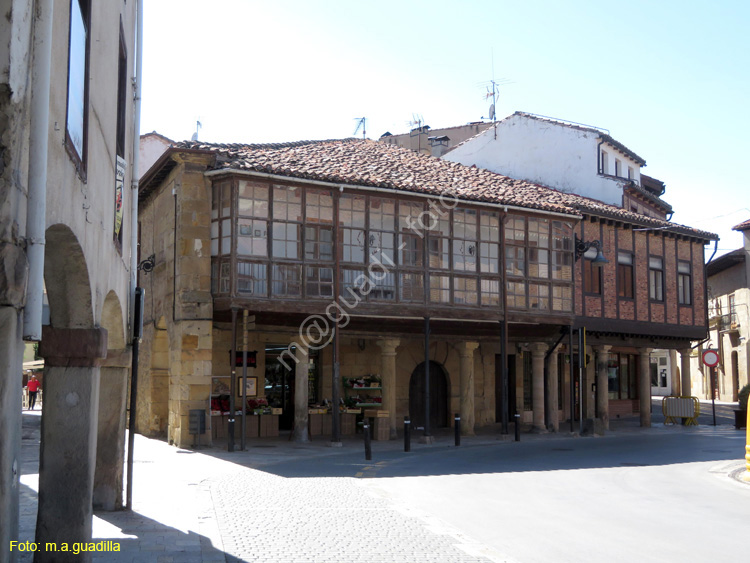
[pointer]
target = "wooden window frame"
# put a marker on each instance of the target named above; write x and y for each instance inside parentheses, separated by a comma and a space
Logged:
(625, 276)
(79, 155)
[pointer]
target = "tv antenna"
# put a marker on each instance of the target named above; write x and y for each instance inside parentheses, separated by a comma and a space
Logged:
(361, 124)
(416, 128)
(198, 126)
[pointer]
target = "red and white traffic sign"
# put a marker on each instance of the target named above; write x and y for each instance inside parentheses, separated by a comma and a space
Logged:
(710, 358)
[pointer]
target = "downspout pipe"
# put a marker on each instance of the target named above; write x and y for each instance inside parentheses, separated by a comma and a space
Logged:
(134, 175)
(36, 208)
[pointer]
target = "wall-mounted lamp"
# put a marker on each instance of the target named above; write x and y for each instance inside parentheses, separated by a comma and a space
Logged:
(581, 247)
(147, 265)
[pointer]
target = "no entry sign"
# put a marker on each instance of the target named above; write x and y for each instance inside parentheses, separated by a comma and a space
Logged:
(710, 358)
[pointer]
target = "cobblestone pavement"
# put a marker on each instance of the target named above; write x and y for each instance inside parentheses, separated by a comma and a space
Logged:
(213, 506)
(322, 520)
(192, 507)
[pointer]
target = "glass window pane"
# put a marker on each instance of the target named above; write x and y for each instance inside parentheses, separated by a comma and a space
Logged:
(382, 214)
(465, 291)
(251, 278)
(489, 256)
(353, 247)
(562, 298)
(410, 215)
(252, 237)
(77, 77)
(489, 222)
(440, 289)
(539, 296)
(439, 255)
(287, 203)
(286, 280)
(384, 286)
(516, 295)
(319, 282)
(515, 229)
(411, 251)
(490, 293)
(464, 256)
(412, 287)
(515, 261)
(539, 233)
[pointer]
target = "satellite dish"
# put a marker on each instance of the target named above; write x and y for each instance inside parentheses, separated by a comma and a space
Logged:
(492, 111)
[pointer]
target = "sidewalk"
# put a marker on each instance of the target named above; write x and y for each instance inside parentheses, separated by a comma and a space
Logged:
(212, 506)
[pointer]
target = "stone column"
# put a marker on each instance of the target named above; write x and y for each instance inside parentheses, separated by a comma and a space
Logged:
(11, 362)
(552, 392)
(110, 443)
(644, 386)
(388, 378)
(302, 394)
(538, 349)
(67, 456)
(685, 383)
(602, 384)
(466, 353)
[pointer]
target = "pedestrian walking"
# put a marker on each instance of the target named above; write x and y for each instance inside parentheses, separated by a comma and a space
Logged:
(33, 386)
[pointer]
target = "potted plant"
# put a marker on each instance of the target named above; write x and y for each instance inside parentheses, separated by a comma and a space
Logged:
(740, 415)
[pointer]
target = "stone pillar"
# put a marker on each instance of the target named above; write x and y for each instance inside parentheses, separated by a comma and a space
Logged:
(191, 344)
(538, 349)
(685, 384)
(11, 365)
(67, 456)
(302, 394)
(388, 378)
(466, 353)
(602, 383)
(552, 392)
(644, 386)
(110, 443)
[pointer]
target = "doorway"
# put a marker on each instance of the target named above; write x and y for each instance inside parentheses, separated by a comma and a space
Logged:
(438, 396)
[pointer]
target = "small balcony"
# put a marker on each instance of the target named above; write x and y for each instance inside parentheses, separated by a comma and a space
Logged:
(728, 323)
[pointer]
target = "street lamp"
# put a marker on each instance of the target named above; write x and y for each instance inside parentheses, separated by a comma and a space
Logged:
(581, 247)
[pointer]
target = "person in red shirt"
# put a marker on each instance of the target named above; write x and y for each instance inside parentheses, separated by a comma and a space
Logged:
(33, 386)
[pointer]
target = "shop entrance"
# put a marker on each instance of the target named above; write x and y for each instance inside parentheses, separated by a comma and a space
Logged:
(438, 396)
(279, 383)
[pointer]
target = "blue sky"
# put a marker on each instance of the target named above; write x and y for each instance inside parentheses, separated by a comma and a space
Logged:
(670, 80)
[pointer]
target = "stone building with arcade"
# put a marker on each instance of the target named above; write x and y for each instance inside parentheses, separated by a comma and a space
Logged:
(423, 265)
(68, 145)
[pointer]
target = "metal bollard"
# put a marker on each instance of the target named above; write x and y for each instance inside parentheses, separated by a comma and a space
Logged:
(368, 444)
(518, 427)
(457, 425)
(407, 434)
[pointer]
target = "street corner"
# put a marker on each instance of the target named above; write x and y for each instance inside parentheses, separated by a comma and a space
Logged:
(735, 470)
(741, 474)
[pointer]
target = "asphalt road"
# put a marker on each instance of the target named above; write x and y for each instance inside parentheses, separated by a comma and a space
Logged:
(660, 495)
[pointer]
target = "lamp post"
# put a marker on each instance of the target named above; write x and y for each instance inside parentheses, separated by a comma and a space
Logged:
(582, 247)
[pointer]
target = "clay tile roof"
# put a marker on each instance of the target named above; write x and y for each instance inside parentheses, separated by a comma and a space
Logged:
(367, 163)
(372, 164)
(745, 225)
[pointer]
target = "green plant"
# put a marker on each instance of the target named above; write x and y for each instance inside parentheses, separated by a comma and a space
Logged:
(744, 392)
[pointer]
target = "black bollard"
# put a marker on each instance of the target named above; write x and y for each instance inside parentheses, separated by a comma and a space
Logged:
(407, 434)
(518, 427)
(368, 444)
(457, 425)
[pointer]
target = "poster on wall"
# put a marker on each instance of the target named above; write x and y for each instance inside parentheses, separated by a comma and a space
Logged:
(119, 182)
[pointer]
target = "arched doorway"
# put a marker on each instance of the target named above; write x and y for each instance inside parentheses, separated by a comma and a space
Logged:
(438, 396)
